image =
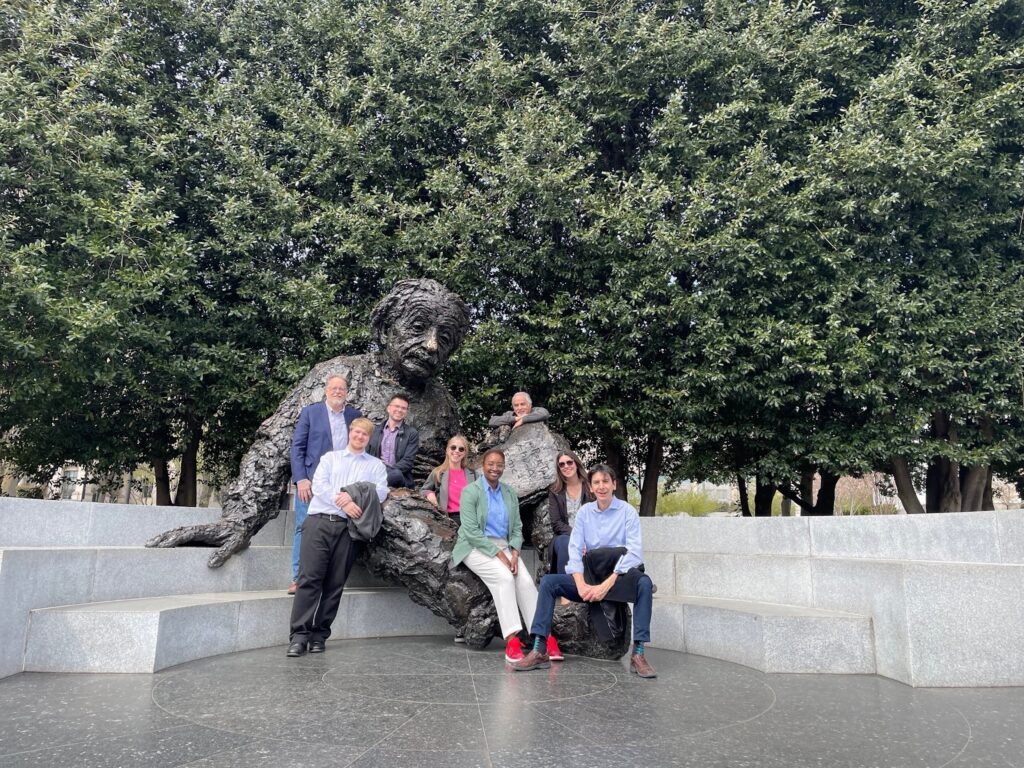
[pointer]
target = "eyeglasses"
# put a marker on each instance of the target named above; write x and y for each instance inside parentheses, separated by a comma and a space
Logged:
(456, 448)
(567, 463)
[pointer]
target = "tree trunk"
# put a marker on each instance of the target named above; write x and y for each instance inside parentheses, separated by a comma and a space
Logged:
(185, 496)
(615, 455)
(943, 492)
(162, 482)
(764, 494)
(825, 504)
(741, 482)
(803, 497)
(988, 502)
(905, 486)
(943, 483)
(972, 488)
(787, 507)
(807, 488)
(652, 469)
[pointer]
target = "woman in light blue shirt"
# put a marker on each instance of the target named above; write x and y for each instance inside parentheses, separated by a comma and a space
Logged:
(490, 537)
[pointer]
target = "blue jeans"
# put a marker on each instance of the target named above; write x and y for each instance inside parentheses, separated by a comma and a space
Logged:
(561, 547)
(301, 508)
(556, 585)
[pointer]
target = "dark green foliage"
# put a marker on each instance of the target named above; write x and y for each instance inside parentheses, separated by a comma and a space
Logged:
(712, 238)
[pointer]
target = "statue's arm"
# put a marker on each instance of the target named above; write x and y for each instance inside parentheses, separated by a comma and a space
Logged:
(254, 497)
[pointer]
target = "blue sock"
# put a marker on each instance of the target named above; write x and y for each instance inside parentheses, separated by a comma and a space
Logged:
(638, 648)
(540, 643)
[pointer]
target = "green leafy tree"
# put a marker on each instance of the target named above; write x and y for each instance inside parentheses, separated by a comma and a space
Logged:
(153, 300)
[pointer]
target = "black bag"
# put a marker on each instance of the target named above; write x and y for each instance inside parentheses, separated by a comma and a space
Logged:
(610, 617)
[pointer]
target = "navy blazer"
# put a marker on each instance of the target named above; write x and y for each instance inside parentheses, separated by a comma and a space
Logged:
(312, 438)
(407, 442)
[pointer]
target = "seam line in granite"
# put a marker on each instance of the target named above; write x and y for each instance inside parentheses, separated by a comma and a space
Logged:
(385, 737)
(479, 712)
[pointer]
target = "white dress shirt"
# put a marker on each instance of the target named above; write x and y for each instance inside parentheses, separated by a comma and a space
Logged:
(340, 468)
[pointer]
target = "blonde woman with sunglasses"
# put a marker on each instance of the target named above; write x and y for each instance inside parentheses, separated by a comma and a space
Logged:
(445, 482)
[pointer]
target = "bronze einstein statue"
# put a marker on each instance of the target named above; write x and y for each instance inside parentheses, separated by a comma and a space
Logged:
(416, 327)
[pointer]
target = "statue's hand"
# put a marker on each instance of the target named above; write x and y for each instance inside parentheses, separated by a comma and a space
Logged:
(227, 535)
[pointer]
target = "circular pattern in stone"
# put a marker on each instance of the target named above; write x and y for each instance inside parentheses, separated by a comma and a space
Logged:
(392, 700)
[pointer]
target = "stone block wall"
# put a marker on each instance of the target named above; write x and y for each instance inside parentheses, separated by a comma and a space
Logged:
(945, 593)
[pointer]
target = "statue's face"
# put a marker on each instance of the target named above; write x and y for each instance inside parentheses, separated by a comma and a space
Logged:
(418, 343)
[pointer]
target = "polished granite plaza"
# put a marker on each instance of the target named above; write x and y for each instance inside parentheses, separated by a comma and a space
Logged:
(428, 702)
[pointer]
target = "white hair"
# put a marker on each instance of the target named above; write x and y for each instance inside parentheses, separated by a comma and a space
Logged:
(529, 400)
(335, 376)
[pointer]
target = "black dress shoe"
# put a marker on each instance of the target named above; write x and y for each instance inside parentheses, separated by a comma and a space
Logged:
(297, 649)
(317, 646)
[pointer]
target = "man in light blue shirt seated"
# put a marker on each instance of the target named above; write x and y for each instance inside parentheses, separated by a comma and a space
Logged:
(606, 522)
(327, 548)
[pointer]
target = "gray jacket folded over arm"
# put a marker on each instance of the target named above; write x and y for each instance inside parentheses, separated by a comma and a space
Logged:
(364, 494)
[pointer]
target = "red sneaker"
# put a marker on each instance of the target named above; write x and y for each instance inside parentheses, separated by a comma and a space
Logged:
(554, 652)
(513, 650)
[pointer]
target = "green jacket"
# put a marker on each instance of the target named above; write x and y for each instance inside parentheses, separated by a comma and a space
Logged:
(473, 508)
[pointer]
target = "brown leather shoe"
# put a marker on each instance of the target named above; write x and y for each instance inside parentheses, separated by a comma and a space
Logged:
(291, 589)
(532, 660)
(639, 666)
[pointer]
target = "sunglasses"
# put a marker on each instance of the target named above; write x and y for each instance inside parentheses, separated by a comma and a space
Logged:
(456, 448)
(567, 463)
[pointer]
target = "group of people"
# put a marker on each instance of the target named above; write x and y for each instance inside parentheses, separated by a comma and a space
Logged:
(342, 466)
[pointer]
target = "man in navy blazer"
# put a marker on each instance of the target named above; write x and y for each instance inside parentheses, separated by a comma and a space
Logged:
(322, 427)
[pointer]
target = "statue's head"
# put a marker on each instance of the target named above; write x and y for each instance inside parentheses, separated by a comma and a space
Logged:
(416, 327)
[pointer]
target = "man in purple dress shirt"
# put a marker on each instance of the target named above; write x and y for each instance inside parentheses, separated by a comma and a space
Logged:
(395, 442)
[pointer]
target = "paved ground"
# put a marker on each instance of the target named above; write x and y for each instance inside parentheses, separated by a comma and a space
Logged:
(427, 702)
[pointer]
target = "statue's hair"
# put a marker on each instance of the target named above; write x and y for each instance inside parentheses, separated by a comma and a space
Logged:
(447, 306)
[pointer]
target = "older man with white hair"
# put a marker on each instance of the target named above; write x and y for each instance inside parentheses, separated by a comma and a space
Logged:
(522, 412)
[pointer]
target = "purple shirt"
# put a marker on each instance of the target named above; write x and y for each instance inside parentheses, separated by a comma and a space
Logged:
(387, 445)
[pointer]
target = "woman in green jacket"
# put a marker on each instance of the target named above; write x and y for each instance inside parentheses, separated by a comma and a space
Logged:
(490, 537)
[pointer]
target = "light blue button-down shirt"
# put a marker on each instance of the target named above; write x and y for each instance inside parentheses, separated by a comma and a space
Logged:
(497, 514)
(339, 429)
(617, 526)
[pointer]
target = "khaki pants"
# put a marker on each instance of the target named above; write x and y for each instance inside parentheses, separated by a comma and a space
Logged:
(512, 594)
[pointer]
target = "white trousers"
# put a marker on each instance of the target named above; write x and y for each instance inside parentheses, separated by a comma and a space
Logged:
(512, 594)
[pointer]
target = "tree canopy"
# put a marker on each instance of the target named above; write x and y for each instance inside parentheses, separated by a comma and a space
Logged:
(715, 239)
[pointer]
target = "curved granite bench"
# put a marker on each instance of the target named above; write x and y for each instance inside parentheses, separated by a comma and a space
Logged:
(149, 634)
(944, 593)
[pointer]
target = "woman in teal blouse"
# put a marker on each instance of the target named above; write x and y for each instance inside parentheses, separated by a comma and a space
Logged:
(490, 537)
